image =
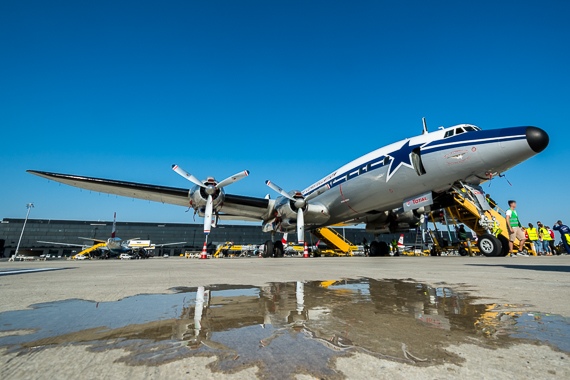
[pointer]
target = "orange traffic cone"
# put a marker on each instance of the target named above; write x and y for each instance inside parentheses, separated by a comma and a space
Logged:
(306, 252)
(204, 254)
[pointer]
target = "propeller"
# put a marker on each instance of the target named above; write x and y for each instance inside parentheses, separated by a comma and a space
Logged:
(300, 203)
(211, 187)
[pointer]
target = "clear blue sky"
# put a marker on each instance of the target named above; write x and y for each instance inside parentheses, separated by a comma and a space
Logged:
(289, 90)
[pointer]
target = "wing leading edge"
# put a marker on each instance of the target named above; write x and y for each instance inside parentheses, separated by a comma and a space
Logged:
(234, 207)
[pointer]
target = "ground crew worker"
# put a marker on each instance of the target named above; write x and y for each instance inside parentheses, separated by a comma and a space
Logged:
(514, 228)
(394, 244)
(491, 201)
(533, 237)
(544, 235)
(461, 233)
(551, 241)
(564, 234)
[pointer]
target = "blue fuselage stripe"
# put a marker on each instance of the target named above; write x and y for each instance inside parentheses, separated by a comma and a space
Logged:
(465, 139)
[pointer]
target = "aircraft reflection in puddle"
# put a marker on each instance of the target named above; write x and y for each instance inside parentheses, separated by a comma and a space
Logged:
(283, 328)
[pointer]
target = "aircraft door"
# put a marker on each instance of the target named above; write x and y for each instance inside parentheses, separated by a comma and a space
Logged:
(417, 162)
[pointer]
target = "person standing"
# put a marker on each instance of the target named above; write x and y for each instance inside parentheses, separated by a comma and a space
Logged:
(533, 237)
(551, 241)
(515, 230)
(564, 234)
(544, 235)
(491, 201)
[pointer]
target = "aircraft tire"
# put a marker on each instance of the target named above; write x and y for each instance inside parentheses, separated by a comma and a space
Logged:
(489, 245)
(374, 249)
(268, 249)
(505, 243)
(384, 249)
(462, 251)
(278, 249)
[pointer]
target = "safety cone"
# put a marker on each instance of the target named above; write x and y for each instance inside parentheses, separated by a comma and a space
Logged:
(306, 252)
(204, 254)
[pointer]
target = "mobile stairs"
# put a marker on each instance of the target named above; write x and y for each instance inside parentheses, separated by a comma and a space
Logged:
(338, 245)
(467, 205)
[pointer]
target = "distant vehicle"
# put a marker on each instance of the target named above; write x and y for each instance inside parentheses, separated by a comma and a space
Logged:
(388, 189)
(125, 256)
(80, 257)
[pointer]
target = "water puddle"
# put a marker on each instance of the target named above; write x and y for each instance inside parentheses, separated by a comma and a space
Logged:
(283, 328)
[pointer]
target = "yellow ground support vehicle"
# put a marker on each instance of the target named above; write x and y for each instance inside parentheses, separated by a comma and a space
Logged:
(86, 253)
(230, 249)
(464, 206)
(338, 245)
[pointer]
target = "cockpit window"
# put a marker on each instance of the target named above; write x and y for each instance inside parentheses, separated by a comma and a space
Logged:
(470, 129)
(448, 134)
(459, 130)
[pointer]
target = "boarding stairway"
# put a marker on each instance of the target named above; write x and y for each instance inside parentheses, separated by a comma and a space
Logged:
(87, 251)
(465, 210)
(334, 240)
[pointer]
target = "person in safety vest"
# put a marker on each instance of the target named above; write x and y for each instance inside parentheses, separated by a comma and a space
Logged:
(544, 235)
(533, 237)
(564, 234)
(515, 231)
(551, 241)
(394, 246)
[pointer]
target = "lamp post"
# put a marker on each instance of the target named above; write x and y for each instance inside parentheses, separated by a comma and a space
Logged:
(29, 207)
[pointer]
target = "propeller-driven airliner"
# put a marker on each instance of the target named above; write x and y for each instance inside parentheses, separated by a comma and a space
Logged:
(387, 189)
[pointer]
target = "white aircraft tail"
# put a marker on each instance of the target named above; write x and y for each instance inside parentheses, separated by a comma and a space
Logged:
(401, 241)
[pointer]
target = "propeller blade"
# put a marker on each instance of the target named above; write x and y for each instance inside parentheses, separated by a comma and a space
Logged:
(187, 175)
(208, 214)
(279, 190)
(232, 179)
(300, 226)
(318, 192)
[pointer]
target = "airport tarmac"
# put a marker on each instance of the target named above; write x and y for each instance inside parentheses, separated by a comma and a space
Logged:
(393, 317)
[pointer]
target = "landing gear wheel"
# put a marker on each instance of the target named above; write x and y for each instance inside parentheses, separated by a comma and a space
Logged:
(379, 248)
(505, 243)
(374, 249)
(489, 245)
(278, 249)
(462, 251)
(384, 249)
(268, 249)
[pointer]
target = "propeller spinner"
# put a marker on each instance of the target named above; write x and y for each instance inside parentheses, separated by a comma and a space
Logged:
(211, 188)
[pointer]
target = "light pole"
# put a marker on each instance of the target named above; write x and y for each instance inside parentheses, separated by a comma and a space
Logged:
(29, 207)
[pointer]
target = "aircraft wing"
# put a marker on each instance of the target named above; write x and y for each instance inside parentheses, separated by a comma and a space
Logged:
(235, 206)
(93, 240)
(163, 245)
(66, 244)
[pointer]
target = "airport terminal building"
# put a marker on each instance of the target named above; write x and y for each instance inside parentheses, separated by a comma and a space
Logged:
(71, 232)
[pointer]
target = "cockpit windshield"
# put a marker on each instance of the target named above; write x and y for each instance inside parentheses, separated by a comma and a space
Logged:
(458, 130)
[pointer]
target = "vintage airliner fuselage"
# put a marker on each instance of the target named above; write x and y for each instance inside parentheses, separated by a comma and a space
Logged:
(397, 180)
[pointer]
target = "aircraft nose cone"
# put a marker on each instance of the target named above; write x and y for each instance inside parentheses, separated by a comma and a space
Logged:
(537, 139)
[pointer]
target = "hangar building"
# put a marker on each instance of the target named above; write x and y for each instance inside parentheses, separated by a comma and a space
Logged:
(70, 231)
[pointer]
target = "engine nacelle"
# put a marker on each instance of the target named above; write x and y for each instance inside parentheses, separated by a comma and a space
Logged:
(285, 208)
(198, 198)
(395, 221)
(286, 215)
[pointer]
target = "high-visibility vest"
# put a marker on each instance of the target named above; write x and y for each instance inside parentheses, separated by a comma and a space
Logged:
(532, 234)
(544, 234)
(514, 219)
